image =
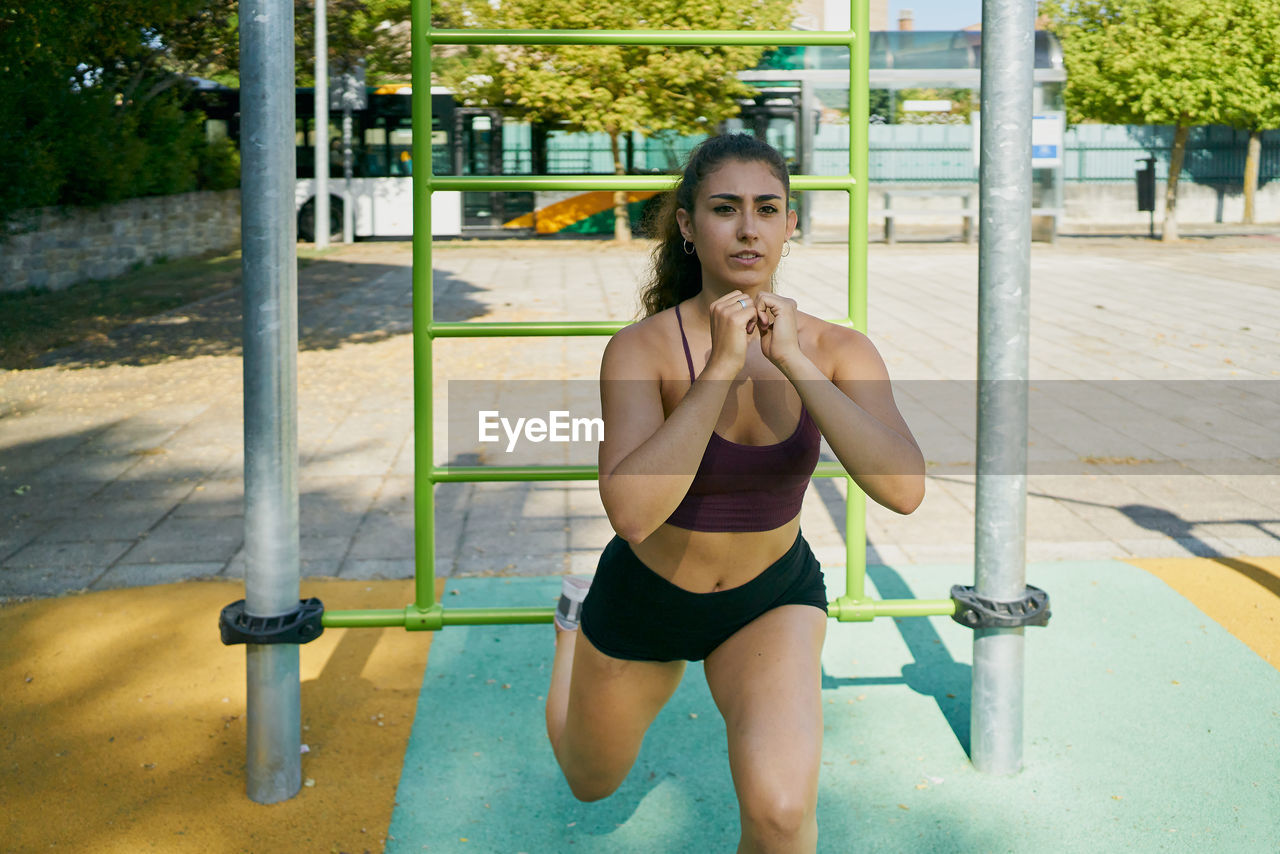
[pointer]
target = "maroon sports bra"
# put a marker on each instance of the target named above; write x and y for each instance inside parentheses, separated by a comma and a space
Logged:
(748, 487)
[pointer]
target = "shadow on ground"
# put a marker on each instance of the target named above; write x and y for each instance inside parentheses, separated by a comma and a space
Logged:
(132, 501)
(339, 302)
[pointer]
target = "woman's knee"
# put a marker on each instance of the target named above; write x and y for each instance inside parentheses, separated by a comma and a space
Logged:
(778, 815)
(593, 790)
(591, 785)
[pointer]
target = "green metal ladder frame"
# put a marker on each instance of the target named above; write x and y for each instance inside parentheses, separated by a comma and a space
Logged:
(426, 612)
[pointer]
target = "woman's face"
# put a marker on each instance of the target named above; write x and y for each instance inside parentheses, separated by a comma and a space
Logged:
(739, 223)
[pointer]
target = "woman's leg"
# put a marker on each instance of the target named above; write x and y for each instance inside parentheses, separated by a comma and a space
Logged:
(766, 680)
(598, 710)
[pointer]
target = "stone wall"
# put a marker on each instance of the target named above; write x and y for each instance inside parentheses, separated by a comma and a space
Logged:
(55, 248)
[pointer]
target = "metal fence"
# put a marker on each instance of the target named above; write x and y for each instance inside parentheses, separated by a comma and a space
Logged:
(931, 153)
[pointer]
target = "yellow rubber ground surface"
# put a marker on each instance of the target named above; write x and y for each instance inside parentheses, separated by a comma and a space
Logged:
(122, 724)
(122, 717)
(1241, 594)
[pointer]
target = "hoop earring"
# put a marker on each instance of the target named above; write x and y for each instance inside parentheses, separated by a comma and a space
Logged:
(688, 247)
(786, 248)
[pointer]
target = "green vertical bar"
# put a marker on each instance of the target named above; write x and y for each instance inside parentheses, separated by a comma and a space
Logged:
(424, 516)
(855, 540)
(859, 122)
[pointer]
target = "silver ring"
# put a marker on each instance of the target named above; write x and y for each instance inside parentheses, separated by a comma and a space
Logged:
(742, 301)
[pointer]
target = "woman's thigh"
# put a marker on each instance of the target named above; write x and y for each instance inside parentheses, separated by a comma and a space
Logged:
(766, 680)
(612, 702)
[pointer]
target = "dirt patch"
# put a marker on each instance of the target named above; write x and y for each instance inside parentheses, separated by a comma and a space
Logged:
(123, 724)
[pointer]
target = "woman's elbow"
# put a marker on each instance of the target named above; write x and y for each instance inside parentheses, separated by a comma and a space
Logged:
(630, 529)
(902, 493)
(911, 498)
(910, 505)
(626, 523)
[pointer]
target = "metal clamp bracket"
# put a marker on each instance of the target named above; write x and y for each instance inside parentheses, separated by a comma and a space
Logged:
(977, 612)
(302, 625)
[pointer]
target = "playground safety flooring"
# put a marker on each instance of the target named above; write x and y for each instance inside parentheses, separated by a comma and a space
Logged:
(1153, 701)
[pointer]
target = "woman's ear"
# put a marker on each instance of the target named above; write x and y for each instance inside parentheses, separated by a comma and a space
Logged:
(791, 222)
(686, 224)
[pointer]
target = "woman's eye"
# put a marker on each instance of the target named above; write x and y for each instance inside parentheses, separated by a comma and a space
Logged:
(768, 209)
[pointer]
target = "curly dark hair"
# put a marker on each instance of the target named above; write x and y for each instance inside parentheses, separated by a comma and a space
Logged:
(675, 276)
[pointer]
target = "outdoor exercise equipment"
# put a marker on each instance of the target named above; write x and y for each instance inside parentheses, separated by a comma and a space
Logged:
(272, 620)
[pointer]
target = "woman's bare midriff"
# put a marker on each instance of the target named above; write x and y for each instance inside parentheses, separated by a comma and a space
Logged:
(709, 561)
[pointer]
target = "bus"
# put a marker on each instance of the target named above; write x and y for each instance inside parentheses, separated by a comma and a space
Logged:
(464, 141)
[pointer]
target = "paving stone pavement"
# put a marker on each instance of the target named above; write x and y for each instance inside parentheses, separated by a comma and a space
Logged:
(1154, 403)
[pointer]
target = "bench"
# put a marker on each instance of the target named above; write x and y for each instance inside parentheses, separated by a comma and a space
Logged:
(889, 212)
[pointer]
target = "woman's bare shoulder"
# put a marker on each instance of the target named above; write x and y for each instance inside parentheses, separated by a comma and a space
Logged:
(638, 350)
(840, 349)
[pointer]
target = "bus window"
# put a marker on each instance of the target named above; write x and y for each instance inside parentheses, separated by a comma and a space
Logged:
(400, 144)
(375, 162)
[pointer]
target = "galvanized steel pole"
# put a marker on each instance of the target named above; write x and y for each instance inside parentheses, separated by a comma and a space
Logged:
(1004, 260)
(321, 130)
(268, 238)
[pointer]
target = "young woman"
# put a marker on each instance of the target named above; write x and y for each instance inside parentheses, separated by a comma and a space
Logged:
(712, 408)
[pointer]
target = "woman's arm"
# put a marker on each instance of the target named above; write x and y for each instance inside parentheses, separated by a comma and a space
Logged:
(646, 462)
(854, 408)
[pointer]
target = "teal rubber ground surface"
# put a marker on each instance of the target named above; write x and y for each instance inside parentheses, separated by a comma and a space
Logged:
(1148, 727)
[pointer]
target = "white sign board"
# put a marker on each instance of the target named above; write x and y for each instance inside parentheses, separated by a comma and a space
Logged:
(1047, 131)
(926, 106)
(1046, 140)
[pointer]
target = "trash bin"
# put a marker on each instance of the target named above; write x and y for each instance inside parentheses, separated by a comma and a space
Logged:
(1146, 180)
(1146, 177)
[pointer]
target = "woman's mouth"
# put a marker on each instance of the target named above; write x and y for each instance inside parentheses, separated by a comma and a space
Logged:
(747, 257)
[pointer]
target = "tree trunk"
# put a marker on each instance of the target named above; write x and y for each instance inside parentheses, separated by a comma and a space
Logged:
(1251, 161)
(621, 221)
(1170, 231)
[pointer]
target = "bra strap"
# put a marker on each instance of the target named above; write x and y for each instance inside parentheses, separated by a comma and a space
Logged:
(685, 341)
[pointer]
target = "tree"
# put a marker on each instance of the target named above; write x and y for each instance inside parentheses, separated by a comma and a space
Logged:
(206, 43)
(1252, 59)
(375, 32)
(1146, 62)
(89, 112)
(611, 89)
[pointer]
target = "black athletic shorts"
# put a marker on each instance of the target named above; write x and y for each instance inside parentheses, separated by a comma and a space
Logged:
(632, 612)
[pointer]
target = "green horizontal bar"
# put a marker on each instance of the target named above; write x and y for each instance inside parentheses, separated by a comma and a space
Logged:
(506, 474)
(468, 329)
(860, 611)
(497, 616)
(363, 619)
(496, 474)
(639, 37)
(532, 329)
(656, 183)
(533, 615)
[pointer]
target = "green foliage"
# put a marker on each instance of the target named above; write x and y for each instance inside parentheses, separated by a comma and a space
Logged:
(93, 108)
(1146, 61)
(1250, 60)
(963, 102)
(206, 42)
(218, 165)
(612, 89)
(373, 31)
